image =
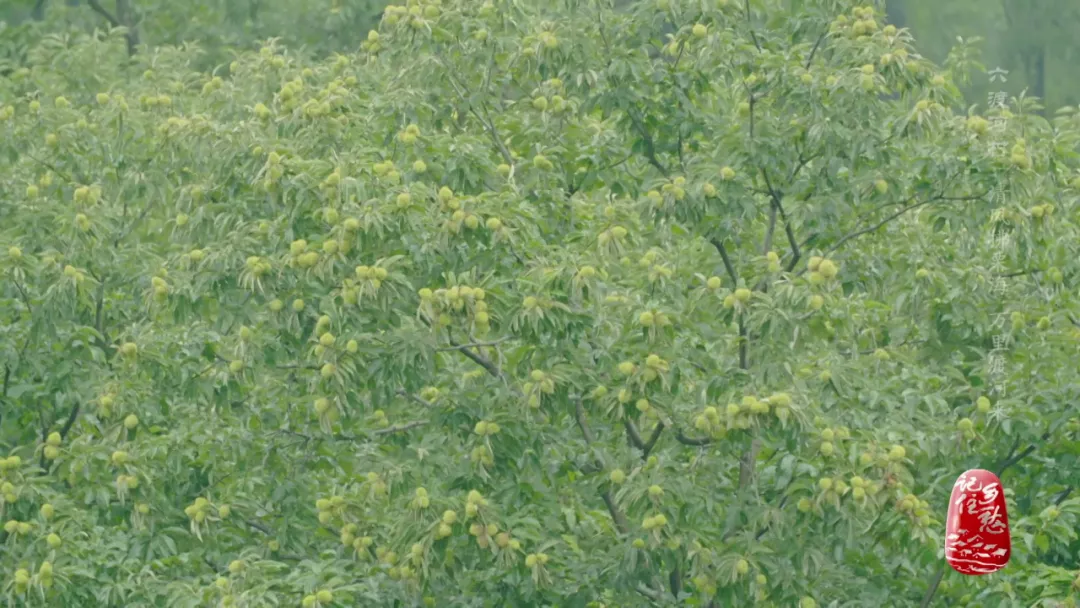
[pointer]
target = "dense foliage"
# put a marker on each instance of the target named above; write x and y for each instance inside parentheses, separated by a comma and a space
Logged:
(527, 303)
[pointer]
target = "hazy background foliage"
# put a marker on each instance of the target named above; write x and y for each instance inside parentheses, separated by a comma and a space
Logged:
(316, 27)
(1035, 40)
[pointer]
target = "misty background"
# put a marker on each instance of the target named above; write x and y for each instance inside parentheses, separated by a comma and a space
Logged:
(1036, 41)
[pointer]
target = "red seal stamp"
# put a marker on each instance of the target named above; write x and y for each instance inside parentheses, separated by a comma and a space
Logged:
(977, 529)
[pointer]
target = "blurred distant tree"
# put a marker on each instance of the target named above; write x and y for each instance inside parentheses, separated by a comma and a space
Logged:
(315, 27)
(1036, 28)
(1030, 38)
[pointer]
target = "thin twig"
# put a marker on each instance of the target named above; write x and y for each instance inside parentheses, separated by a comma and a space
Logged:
(902, 211)
(258, 526)
(415, 399)
(767, 245)
(25, 296)
(485, 120)
(473, 344)
(1063, 495)
(750, 24)
(1019, 273)
(817, 44)
(51, 167)
(933, 587)
(399, 428)
(650, 146)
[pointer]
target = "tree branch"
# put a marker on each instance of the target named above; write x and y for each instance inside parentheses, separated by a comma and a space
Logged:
(25, 296)
(902, 211)
(770, 230)
(616, 514)
(875, 227)
(744, 358)
(1019, 273)
(817, 44)
(258, 526)
(796, 254)
(803, 161)
(473, 344)
(765, 529)
(7, 377)
(480, 360)
(744, 346)
(399, 428)
(494, 131)
(99, 320)
(774, 198)
(749, 460)
(44, 464)
(719, 244)
(750, 24)
(485, 120)
(651, 443)
(933, 587)
(650, 146)
(635, 437)
(131, 226)
(650, 593)
(777, 206)
(1013, 459)
(583, 424)
(1063, 495)
(685, 440)
(72, 416)
(101, 10)
(38, 13)
(675, 578)
(415, 399)
(121, 19)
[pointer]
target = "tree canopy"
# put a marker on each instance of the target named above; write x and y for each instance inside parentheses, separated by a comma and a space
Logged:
(575, 303)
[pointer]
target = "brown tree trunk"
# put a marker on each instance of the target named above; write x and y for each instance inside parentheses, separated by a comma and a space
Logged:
(896, 13)
(124, 17)
(1039, 76)
(1034, 59)
(127, 17)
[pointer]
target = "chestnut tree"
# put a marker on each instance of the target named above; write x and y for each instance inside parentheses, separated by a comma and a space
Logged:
(575, 303)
